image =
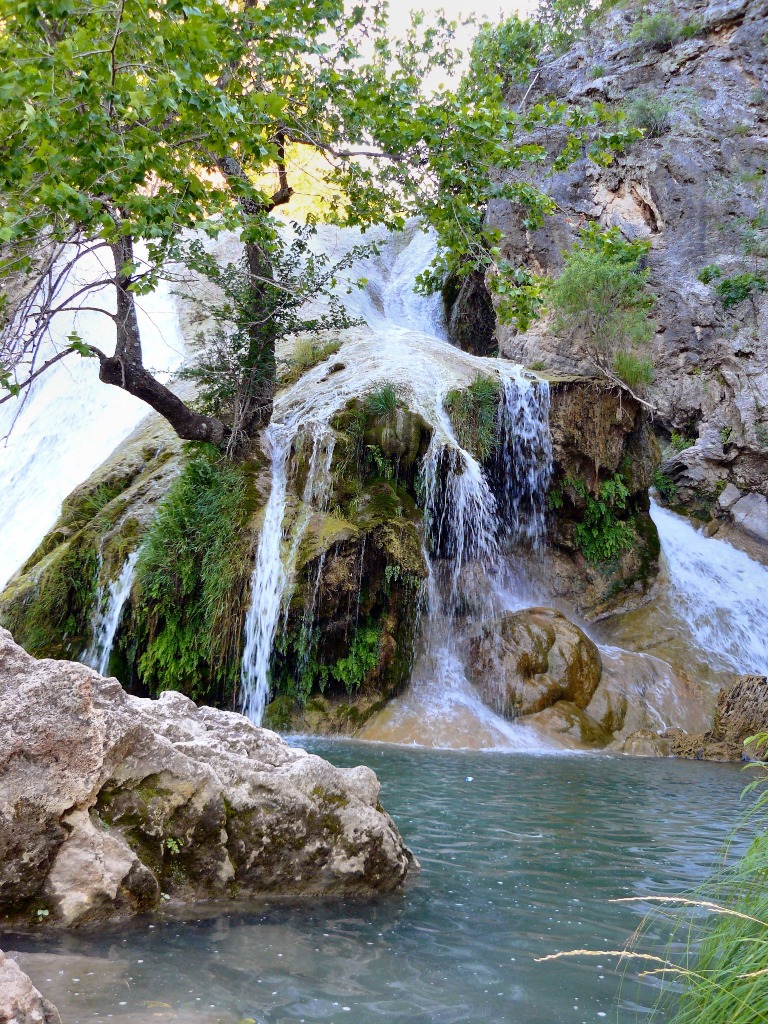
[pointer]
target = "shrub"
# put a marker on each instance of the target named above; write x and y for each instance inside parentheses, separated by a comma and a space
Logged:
(733, 290)
(601, 536)
(708, 274)
(473, 413)
(601, 297)
(691, 29)
(635, 371)
(665, 486)
(678, 442)
(658, 31)
(650, 113)
(597, 71)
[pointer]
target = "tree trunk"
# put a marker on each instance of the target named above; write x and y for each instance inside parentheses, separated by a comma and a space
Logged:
(126, 370)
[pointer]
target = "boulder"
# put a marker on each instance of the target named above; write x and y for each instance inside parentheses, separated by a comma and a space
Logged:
(742, 711)
(526, 661)
(645, 743)
(111, 804)
(20, 1002)
(750, 514)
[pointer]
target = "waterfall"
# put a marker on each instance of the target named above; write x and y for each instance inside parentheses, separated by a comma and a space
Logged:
(719, 593)
(106, 616)
(473, 513)
(68, 422)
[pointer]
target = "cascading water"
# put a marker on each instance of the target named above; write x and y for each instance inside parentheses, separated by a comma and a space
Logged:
(469, 521)
(69, 422)
(718, 592)
(106, 618)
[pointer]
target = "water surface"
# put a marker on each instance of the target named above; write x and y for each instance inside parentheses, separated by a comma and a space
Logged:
(520, 856)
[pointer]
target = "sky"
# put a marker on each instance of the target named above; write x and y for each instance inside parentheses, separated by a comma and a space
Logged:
(493, 10)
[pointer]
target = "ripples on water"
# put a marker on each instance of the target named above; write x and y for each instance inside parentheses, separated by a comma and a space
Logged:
(520, 856)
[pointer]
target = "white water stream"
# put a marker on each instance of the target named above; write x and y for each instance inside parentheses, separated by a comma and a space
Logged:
(468, 524)
(719, 593)
(106, 617)
(70, 422)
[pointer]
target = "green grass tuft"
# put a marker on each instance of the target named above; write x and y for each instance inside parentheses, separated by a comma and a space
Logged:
(383, 401)
(473, 412)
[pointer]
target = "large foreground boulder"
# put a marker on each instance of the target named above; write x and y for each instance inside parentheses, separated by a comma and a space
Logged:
(524, 662)
(742, 711)
(20, 1002)
(110, 804)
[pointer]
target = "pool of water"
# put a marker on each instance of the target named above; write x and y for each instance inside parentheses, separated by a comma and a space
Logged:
(520, 857)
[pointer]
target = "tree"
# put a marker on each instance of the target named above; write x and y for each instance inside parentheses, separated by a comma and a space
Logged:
(124, 122)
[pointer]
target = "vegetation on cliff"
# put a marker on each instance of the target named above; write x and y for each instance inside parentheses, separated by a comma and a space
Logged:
(190, 592)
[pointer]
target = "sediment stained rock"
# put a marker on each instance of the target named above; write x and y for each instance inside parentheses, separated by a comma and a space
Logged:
(742, 711)
(523, 662)
(110, 804)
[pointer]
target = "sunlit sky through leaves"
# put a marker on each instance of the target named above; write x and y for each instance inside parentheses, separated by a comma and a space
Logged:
(480, 10)
(493, 10)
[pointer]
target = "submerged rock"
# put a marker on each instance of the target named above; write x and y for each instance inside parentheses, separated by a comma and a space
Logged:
(742, 711)
(526, 661)
(20, 1002)
(112, 804)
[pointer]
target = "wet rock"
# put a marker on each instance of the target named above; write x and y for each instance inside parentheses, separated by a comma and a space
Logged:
(401, 436)
(110, 801)
(526, 661)
(20, 1002)
(750, 514)
(569, 725)
(639, 693)
(742, 712)
(470, 315)
(598, 434)
(645, 743)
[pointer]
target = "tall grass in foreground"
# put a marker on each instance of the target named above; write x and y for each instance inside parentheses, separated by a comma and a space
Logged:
(715, 967)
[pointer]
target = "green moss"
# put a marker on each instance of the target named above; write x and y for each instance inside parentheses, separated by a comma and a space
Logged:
(328, 797)
(473, 412)
(191, 582)
(48, 612)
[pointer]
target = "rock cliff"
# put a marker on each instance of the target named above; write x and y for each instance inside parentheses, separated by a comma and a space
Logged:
(694, 77)
(111, 804)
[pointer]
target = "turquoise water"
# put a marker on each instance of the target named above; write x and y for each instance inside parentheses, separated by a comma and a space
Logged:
(520, 857)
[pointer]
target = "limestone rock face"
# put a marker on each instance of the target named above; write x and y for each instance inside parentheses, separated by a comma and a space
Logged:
(20, 1002)
(695, 189)
(110, 804)
(526, 661)
(742, 711)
